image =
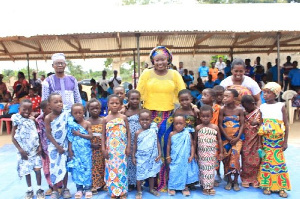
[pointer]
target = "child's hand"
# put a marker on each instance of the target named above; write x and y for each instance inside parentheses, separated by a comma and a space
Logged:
(190, 159)
(39, 150)
(23, 154)
(284, 146)
(196, 157)
(221, 156)
(71, 154)
(234, 141)
(254, 123)
(157, 158)
(133, 160)
(123, 109)
(75, 133)
(105, 154)
(127, 151)
(60, 150)
(168, 160)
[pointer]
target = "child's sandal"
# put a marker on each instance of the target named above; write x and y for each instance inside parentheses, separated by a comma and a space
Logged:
(212, 192)
(48, 192)
(267, 192)
(236, 187)
(205, 192)
(171, 192)
(94, 191)
(186, 192)
(245, 184)
(78, 195)
(88, 194)
(54, 195)
(283, 194)
(138, 195)
(66, 193)
(154, 192)
(228, 187)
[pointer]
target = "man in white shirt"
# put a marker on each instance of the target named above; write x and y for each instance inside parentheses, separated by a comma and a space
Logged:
(115, 79)
(220, 65)
(103, 82)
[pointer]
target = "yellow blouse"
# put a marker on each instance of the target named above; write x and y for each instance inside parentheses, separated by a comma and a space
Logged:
(159, 93)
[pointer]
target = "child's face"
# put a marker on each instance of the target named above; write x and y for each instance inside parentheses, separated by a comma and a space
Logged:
(210, 78)
(31, 92)
(228, 98)
(206, 97)
(205, 117)
(15, 100)
(185, 100)
(220, 76)
(120, 92)
(219, 96)
(269, 95)
(47, 110)
(249, 107)
(25, 109)
(145, 120)
(134, 99)
(114, 104)
(78, 113)
(93, 95)
(94, 109)
(56, 103)
(179, 123)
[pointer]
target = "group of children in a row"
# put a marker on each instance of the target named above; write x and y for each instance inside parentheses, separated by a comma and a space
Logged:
(127, 139)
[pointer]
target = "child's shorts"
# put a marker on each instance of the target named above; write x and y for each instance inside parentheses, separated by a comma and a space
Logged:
(26, 166)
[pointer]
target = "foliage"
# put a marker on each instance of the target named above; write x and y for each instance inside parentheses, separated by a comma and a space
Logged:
(215, 58)
(108, 62)
(243, 1)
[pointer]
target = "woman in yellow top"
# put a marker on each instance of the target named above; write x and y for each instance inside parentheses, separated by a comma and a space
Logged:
(159, 89)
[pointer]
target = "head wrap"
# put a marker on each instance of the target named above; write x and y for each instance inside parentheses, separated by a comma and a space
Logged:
(58, 56)
(161, 50)
(273, 87)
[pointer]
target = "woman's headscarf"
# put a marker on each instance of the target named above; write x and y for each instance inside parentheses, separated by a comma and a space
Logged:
(161, 50)
(273, 87)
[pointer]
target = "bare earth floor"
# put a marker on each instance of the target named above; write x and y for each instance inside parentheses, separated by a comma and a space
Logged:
(11, 187)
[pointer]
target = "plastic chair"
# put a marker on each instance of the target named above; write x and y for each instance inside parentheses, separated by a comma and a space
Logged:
(287, 96)
(8, 125)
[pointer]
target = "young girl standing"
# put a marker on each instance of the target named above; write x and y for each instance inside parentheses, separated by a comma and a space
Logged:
(231, 124)
(273, 174)
(98, 166)
(252, 142)
(115, 147)
(26, 139)
(207, 138)
(80, 154)
(132, 114)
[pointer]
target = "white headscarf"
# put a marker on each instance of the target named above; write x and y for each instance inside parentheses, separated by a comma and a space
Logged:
(58, 56)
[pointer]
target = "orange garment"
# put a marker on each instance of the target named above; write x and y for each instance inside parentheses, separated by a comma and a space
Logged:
(216, 111)
(214, 73)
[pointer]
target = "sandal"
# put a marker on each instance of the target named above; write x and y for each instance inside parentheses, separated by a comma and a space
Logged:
(123, 196)
(171, 192)
(267, 192)
(205, 192)
(78, 195)
(245, 184)
(154, 192)
(255, 185)
(104, 188)
(55, 195)
(66, 193)
(88, 194)
(94, 191)
(40, 194)
(138, 195)
(216, 184)
(236, 187)
(29, 195)
(48, 192)
(212, 192)
(186, 192)
(228, 187)
(283, 194)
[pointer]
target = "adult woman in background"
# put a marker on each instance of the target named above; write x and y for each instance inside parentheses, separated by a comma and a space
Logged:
(159, 89)
(242, 83)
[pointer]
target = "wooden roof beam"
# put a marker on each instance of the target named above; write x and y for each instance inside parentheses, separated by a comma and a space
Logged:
(200, 39)
(71, 44)
(41, 49)
(251, 38)
(27, 45)
(80, 48)
(274, 44)
(161, 39)
(6, 52)
(290, 40)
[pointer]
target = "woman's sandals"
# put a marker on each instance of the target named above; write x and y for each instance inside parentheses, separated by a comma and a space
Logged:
(283, 194)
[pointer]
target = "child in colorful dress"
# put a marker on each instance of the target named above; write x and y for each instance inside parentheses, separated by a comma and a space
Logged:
(56, 131)
(98, 166)
(180, 157)
(26, 139)
(231, 124)
(116, 147)
(146, 154)
(132, 114)
(273, 174)
(80, 152)
(252, 142)
(207, 138)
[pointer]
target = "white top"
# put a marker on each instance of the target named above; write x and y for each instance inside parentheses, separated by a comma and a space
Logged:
(248, 83)
(220, 66)
(115, 81)
(103, 83)
(272, 111)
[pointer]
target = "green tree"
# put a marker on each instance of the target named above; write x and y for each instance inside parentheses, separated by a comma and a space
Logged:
(75, 70)
(108, 62)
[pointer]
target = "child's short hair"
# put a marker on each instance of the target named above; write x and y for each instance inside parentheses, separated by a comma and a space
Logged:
(184, 91)
(145, 111)
(119, 87)
(51, 95)
(133, 91)
(206, 108)
(112, 96)
(75, 105)
(219, 88)
(43, 104)
(92, 101)
(179, 115)
(25, 101)
(247, 99)
(234, 92)
(210, 91)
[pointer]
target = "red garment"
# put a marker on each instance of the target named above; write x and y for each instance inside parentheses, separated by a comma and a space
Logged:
(19, 84)
(36, 100)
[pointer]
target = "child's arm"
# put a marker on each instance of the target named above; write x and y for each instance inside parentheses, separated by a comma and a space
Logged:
(88, 136)
(196, 140)
(71, 154)
(135, 146)
(286, 124)
(50, 137)
(241, 130)
(159, 151)
(128, 137)
(221, 117)
(103, 140)
(21, 151)
(168, 157)
(192, 149)
(221, 156)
